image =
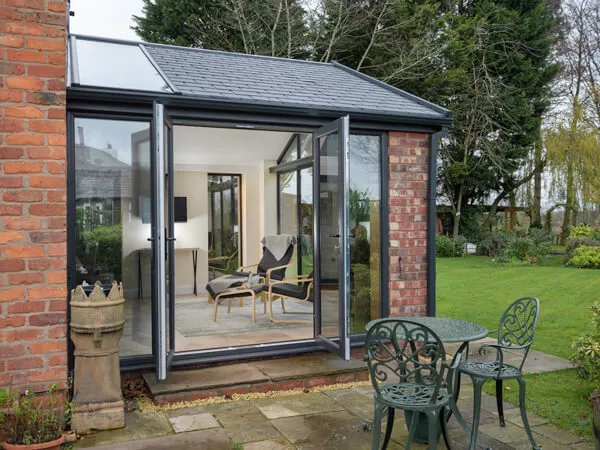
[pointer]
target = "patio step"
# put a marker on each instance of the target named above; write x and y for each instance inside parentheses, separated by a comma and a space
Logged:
(297, 372)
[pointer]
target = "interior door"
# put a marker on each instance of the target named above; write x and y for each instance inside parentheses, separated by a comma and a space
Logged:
(163, 243)
(331, 237)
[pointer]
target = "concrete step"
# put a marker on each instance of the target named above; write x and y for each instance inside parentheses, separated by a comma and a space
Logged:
(297, 372)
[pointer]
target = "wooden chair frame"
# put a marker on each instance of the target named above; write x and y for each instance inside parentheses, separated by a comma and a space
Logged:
(230, 295)
(272, 296)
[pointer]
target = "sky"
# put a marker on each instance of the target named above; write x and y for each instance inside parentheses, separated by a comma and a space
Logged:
(105, 18)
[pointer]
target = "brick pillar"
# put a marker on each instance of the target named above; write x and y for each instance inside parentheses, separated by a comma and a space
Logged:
(408, 158)
(33, 317)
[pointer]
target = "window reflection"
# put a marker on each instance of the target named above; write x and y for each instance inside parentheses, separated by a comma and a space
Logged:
(365, 229)
(112, 217)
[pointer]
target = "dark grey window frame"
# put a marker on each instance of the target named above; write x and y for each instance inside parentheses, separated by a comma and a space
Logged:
(131, 105)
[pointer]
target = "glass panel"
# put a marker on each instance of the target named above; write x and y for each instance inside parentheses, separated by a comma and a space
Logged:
(305, 145)
(288, 212)
(329, 236)
(114, 65)
(291, 151)
(306, 219)
(112, 201)
(224, 219)
(365, 227)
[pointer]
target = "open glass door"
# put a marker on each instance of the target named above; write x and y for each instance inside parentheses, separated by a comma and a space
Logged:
(331, 237)
(163, 283)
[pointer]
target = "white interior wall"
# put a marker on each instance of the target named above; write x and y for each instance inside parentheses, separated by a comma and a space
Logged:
(194, 232)
(199, 151)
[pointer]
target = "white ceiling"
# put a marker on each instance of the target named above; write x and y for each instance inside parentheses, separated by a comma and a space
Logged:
(225, 149)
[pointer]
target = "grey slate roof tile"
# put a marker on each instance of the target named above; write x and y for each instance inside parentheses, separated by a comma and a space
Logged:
(239, 77)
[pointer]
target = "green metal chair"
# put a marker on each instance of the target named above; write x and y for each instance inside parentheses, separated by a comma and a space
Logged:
(515, 332)
(408, 369)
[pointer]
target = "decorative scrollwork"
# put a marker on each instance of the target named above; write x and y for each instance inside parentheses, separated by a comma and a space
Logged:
(517, 325)
(401, 351)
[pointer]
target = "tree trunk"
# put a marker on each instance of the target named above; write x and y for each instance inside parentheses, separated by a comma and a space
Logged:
(537, 182)
(569, 203)
(457, 212)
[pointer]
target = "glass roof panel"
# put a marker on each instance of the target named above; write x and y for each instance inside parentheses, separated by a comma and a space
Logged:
(113, 65)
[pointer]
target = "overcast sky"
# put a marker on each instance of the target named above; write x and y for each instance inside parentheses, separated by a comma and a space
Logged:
(106, 18)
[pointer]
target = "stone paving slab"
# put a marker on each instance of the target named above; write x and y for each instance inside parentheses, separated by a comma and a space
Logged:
(193, 422)
(213, 439)
(307, 366)
(246, 424)
(297, 405)
(205, 379)
(137, 426)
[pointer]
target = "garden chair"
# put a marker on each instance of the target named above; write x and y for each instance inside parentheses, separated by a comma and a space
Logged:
(296, 288)
(223, 264)
(515, 332)
(409, 371)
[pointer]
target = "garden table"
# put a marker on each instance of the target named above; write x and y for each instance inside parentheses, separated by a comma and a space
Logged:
(449, 331)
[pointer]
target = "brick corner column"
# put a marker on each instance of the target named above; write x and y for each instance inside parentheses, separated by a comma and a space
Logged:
(408, 170)
(33, 291)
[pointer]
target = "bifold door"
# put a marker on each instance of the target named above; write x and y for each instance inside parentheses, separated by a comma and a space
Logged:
(163, 243)
(331, 237)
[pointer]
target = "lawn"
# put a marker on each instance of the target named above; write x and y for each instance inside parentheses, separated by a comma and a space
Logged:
(473, 288)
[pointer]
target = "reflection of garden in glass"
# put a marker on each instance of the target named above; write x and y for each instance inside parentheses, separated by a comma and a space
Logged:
(365, 231)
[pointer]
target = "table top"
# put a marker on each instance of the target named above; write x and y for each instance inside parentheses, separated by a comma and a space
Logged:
(448, 330)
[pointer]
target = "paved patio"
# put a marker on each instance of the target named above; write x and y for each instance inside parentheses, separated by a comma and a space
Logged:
(327, 417)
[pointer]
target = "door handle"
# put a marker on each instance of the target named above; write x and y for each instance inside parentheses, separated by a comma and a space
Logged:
(150, 239)
(171, 239)
(334, 236)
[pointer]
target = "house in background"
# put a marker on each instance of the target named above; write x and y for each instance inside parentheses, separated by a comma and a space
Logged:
(105, 135)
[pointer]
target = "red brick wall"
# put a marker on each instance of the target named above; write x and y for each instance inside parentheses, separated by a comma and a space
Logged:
(408, 158)
(32, 194)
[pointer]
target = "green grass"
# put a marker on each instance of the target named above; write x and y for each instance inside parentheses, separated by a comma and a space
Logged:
(475, 289)
(558, 396)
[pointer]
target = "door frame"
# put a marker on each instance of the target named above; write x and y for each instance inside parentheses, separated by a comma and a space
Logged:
(202, 116)
(341, 345)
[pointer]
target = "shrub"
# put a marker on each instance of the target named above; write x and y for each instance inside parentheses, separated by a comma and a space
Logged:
(493, 244)
(29, 420)
(581, 231)
(587, 350)
(103, 249)
(530, 248)
(586, 257)
(575, 242)
(447, 247)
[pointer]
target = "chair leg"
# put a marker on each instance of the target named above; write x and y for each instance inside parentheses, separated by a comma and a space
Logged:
(499, 402)
(253, 308)
(432, 429)
(378, 410)
(283, 305)
(216, 301)
(524, 413)
(477, 385)
(229, 305)
(210, 299)
(413, 429)
(388, 427)
(444, 426)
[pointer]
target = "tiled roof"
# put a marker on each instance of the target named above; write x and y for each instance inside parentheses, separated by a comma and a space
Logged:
(285, 82)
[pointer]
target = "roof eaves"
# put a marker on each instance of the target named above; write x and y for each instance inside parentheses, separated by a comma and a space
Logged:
(437, 108)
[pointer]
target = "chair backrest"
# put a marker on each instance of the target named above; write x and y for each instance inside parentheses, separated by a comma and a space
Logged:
(268, 261)
(398, 350)
(517, 325)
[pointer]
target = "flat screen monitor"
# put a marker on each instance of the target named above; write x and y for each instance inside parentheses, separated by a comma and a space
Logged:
(180, 210)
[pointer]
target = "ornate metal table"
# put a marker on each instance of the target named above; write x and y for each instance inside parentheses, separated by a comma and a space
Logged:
(449, 331)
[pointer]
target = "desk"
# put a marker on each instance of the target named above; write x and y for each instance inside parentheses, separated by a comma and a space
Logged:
(449, 331)
(194, 252)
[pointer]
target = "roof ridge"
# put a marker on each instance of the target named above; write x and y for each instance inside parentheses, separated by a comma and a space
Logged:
(197, 49)
(224, 52)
